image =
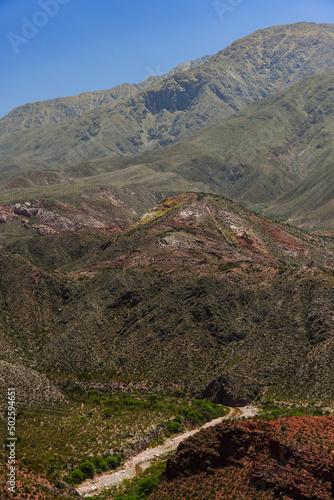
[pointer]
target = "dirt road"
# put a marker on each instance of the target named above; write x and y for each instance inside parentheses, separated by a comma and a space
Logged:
(140, 462)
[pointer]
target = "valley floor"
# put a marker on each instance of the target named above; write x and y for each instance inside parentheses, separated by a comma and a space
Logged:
(142, 461)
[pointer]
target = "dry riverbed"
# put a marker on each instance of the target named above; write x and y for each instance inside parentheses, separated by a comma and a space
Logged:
(140, 462)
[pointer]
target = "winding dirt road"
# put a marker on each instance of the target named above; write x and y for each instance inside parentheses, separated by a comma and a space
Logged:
(140, 462)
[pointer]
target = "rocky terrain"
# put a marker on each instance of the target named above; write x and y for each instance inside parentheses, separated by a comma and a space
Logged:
(291, 459)
(32, 388)
(199, 294)
(34, 486)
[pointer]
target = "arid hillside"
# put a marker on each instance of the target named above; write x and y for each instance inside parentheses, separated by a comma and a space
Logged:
(289, 459)
(199, 294)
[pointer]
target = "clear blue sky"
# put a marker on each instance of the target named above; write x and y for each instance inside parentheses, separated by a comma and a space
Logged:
(86, 45)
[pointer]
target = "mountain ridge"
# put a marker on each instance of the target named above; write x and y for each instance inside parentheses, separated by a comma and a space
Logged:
(251, 68)
(274, 156)
(65, 108)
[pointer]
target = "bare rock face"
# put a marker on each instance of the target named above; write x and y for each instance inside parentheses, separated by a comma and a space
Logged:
(218, 390)
(25, 210)
(6, 213)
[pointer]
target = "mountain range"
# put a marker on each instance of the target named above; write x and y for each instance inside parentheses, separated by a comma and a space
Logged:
(252, 123)
(176, 237)
(80, 230)
(34, 115)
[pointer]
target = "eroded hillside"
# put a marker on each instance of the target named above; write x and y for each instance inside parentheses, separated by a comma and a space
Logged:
(200, 293)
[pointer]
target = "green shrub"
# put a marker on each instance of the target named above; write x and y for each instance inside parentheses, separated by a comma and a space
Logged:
(193, 415)
(95, 399)
(131, 402)
(207, 406)
(87, 468)
(159, 406)
(153, 398)
(110, 402)
(173, 427)
(113, 462)
(107, 412)
(93, 392)
(77, 476)
(148, 484)
(127, 497)
(100, 463)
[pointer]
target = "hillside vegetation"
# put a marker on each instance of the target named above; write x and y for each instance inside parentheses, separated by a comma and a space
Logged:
(275, 156)
(199, 294)
(252, 68)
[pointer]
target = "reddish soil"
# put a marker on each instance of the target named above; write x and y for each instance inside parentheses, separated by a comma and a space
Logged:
(31, 485)
(287, 242)
(6, 213)
(290, 459)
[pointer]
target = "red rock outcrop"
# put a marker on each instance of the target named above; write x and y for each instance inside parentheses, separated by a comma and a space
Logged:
(6, 213)
(288, 458)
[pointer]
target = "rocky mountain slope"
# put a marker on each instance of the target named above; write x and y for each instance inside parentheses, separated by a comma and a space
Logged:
(34, 115)
(250, 69)
(286, 458)
(199, 293)
(274, 156)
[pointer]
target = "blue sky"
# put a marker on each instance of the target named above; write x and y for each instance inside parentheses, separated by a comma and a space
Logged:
(53, 48)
